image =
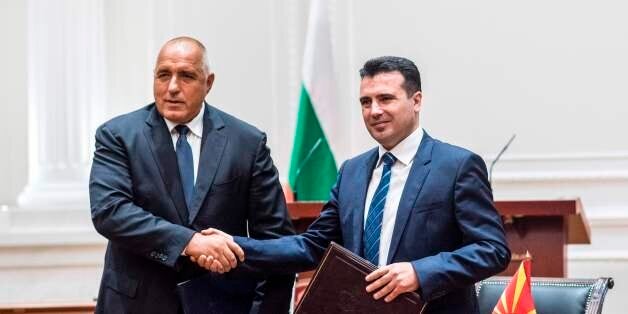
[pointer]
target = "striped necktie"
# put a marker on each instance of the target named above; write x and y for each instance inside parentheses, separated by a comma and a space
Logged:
(373, 225)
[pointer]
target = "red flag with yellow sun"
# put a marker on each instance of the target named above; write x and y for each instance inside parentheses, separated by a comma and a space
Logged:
(517, 297)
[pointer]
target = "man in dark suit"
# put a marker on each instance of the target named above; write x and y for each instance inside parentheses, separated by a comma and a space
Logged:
(419, 208)
(168, 170)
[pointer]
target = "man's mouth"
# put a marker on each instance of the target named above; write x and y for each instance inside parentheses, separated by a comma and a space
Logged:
(174, 101)
(379, 124)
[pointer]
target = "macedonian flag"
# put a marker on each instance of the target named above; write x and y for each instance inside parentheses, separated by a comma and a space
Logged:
(517, 297)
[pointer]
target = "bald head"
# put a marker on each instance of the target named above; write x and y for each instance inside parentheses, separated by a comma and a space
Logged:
(187, 45)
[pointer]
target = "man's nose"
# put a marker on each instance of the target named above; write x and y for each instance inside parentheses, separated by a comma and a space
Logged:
(173, 85)
(376, 110)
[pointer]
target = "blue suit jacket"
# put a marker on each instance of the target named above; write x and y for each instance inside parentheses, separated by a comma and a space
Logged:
(446, 226)
(138, 204)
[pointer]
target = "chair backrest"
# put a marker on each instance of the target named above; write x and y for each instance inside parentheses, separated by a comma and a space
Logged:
(551, 295)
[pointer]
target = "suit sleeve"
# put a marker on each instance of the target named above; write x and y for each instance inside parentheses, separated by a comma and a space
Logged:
(484, 252)
(269, 219)
(299, 252)
(268, 214)
(114, 214)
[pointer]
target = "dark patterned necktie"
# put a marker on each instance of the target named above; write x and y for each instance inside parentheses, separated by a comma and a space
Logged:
(186, 163)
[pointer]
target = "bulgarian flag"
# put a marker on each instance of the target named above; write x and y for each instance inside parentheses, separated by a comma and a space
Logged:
(517, 297)
(312, 166)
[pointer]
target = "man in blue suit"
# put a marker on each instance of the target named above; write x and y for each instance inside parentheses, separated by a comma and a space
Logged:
(419, 208)
(165, 172)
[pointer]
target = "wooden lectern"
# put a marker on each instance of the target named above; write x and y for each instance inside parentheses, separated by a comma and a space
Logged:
(542, 227)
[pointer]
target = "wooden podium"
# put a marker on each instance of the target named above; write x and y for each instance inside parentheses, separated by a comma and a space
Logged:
(542, 227)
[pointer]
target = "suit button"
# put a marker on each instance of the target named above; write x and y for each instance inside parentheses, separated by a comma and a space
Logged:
(153, 254)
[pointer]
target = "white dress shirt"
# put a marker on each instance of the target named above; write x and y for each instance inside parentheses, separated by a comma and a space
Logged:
(194, 136)
(404, 152)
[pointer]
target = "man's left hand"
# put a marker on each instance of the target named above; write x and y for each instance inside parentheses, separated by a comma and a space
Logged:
(392, 280)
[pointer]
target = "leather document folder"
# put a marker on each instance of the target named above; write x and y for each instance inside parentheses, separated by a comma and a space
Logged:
(338, 286)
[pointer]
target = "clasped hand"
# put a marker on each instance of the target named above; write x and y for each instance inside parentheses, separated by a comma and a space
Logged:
(214, 250)
(392, 280)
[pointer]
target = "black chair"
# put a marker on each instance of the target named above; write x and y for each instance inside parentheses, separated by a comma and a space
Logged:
(551, 295)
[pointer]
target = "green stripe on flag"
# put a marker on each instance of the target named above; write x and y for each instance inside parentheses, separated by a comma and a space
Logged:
(312, 167)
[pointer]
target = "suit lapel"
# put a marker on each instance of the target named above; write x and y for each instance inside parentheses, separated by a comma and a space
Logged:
(414, 183)
(160, 143)
(212, 147)
(361, 181)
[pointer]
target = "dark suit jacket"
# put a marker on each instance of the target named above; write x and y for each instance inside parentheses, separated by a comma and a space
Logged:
(446, 226)
(137, 203)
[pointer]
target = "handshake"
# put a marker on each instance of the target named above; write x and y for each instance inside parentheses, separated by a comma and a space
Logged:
(214, 250)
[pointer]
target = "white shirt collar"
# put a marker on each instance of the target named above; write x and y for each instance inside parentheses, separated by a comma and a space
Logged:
(195, 125)
(406, 149)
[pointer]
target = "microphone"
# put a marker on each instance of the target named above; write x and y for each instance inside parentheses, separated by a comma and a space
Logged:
(303, 163)
(490, 170)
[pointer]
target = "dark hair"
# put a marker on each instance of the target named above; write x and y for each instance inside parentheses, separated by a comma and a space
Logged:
(407, 68)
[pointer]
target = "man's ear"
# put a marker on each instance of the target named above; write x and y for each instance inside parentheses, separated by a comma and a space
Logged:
(417, 98)
(210, 81)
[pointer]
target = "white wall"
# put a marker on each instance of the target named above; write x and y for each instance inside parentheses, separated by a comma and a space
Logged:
(13, 156)
(553, 72)
(254, 49)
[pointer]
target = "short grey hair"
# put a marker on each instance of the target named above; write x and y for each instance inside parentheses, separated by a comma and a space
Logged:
(186, 39)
